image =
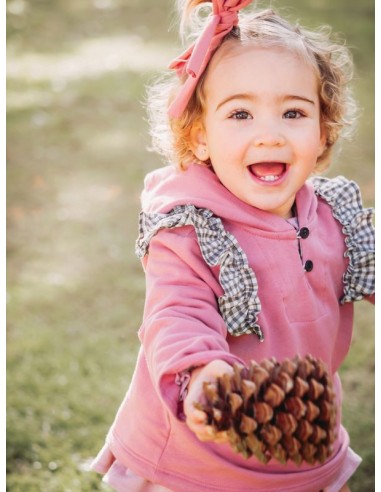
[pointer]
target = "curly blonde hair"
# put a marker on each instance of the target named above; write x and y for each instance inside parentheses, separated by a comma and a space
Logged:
(331, 61)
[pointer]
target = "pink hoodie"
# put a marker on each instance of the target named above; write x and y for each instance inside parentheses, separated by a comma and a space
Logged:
(298, 311)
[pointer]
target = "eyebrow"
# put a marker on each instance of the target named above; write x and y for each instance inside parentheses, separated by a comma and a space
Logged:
(249, 97)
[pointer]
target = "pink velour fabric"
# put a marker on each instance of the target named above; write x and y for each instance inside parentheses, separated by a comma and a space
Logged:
(182, 328)
(123, 479)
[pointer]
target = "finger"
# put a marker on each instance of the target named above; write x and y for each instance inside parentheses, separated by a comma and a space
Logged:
(209, 434)
(206, 434)
(201, 429)
(198, 416)
(221, 437)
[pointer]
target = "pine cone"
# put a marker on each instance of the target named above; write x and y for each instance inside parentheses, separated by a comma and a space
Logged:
(283, 410)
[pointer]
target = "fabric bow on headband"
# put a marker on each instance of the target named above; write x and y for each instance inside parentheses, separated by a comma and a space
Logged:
(195, 59)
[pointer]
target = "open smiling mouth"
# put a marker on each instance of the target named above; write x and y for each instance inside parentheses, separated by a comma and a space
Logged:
(268, 172)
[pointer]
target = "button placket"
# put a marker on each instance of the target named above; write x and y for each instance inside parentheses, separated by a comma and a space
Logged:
(303, 233)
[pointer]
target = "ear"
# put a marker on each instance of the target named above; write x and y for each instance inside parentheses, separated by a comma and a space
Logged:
(198, 142)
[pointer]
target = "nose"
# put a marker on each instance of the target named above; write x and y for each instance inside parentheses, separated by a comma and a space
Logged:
(268, 135)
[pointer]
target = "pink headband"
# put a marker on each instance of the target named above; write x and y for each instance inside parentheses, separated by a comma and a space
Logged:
(195, 59)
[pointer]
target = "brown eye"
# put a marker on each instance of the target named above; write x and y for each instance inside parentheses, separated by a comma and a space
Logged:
(292, 114)
(240, 115)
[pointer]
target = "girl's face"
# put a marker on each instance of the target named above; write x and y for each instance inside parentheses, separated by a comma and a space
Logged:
(261, 126)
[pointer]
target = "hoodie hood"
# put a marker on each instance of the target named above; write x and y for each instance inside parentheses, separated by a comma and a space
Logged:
(168, 187)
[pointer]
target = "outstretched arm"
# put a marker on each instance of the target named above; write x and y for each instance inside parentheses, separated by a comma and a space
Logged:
(182, 328)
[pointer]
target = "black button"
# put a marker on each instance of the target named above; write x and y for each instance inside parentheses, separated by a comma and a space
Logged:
(304, 232)
(308, 266)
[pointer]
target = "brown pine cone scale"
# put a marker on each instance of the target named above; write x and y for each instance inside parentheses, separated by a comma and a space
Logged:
(281, 410)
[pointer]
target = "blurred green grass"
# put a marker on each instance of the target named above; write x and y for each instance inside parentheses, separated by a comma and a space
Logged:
(76, 151)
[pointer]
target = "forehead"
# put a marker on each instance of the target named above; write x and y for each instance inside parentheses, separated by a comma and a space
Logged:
(251, 68)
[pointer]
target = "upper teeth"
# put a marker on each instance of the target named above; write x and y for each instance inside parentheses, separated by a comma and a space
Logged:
(270, 177)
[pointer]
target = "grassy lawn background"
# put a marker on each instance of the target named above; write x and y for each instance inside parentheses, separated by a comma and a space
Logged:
(76, 160)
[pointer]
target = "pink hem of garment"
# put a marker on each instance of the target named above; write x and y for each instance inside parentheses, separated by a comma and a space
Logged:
(350, 465)
(122, 479)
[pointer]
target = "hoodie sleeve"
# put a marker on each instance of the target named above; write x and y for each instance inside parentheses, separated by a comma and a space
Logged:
(182, 325)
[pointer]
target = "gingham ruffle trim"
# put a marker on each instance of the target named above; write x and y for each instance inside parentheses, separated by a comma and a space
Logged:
(240, 305)
(345, 199)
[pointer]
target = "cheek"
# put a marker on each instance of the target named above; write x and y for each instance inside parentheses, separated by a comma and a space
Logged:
(227, 145)
(221, 149)
(309, 144)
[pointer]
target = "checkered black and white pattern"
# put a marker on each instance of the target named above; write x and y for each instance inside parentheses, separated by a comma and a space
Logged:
(345, 199)
(240, 305)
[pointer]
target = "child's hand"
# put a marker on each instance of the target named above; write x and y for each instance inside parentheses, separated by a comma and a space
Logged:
(196, 419)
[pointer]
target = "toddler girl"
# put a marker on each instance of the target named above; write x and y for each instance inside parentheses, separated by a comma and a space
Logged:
(246, 256)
